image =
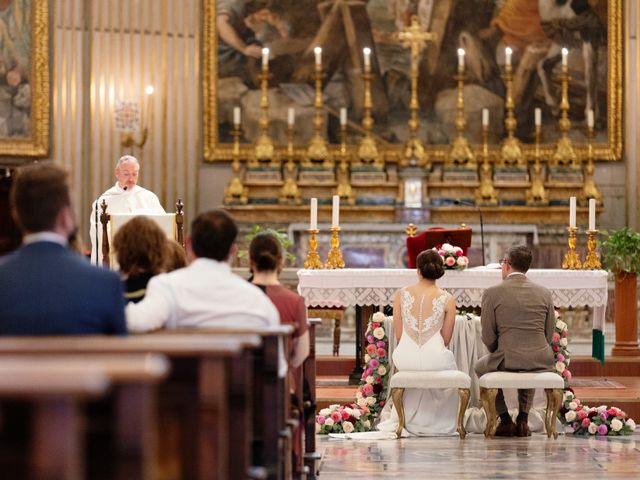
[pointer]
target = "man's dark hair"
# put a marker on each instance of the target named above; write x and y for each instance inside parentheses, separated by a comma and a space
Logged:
(519, 258)
(213, 234)
(38, 195)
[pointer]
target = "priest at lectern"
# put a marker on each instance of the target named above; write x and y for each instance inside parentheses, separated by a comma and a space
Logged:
(126, 196)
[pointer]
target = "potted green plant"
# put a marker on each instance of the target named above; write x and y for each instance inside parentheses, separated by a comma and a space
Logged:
(282, 237)
(621, 256)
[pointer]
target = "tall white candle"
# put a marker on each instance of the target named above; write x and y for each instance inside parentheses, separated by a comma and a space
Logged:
(318, 52)
(485, 117)
(461, 59)
(565, 57)
(291, 116)
(265, 58)
(367, 57)
(335, 220)
(590, 121)
(313, 222)
(572, 212)
(507, 56)
(236, 115)
(538, 117)
(343, 116)
(592, 214)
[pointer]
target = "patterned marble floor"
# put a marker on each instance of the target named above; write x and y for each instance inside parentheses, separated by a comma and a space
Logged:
(477, 458)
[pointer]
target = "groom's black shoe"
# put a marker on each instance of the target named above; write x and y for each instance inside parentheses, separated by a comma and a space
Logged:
(506, 429)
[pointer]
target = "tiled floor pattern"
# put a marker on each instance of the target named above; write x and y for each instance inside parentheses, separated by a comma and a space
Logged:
(475, 457)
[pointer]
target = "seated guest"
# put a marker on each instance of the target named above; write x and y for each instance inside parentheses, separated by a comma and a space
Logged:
(176, 256)
(206, 293)
(518, 321)
(141, 250)
(45, 288)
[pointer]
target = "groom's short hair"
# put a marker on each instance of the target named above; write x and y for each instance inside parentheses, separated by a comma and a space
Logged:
(520, 258)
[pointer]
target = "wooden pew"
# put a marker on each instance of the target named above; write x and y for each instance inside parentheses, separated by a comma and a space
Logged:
(57, 385)
(196, 398)
(310, 455)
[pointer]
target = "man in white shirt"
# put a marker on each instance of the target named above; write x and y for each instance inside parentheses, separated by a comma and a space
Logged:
(126, 196)
(206, 293)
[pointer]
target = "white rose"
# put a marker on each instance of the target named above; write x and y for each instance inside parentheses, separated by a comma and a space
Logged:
(378, 317)
(347, 427)
(616, 425)
(366, 424)
(328, 422)
(560, 325)
(325, 412)
(318, 427)
(631, 424)
(564, 342)
(560, 367)
(382, 370)
(601, 408)
(370, 400)
(379, 333)
(348, 410)
(568, 395)
(335, 406)
(573, 406)
(593, 428)
(367, 358)
(358, 394)
(447, 247)
(356, 413)
(570, 416)
(362, 402)
(370, 379)
(462, 261)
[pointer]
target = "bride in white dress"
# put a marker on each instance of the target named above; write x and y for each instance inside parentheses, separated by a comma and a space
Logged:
(423, 321)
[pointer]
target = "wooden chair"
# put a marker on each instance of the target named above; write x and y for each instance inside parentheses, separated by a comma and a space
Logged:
(552, 383)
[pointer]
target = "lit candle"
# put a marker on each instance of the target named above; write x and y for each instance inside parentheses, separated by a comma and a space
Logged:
(565, 55)
(590, 121)
(485, 117)
(367, 58)
(236, 115)
(291, 116)
(572, 212)
(460, 59)
(538, 117)
(336, 211)
(318, 52)
(592, 214)
(313, 222)
(343, 116)
(507, 56)
(265, 58)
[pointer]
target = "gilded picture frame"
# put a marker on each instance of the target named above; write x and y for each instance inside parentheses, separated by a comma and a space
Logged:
(608, 139)
(25, 88)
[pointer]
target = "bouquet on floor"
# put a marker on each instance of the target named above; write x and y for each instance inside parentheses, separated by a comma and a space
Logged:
(343, 419)
(560, 344)
(375, 377)
(601, 421)
(452, 257)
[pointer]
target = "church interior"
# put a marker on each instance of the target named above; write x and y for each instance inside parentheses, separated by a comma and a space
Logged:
(359, 134)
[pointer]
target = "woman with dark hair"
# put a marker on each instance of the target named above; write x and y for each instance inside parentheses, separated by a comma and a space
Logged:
(266, 262)
(141, 250)
(423, 321)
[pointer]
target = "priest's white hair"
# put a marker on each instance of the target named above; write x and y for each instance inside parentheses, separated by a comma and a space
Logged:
(127, 159)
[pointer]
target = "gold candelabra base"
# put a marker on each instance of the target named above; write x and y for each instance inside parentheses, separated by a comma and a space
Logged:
(313, 261)
(318, 153)
(414, 154)
(335, 260)
(368, 153)
(571, 260)
(511, 153)
(461, 154)
(486, 193)
(592, 262)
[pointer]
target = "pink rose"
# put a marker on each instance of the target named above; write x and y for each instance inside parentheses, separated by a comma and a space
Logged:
(336, 417)
(582, 414)
(345, 415)
(555, 348)
(450, 262)
(381, 353)
(371, 349)
(381, 344)
(457, 250)
(367, 389)
(556, 337)
(560, 357)
(441, 253)
(586, 422)
(374, 363)
(602, 429)
(370, 339)
(566, 374)
(320, 419)
(375, 325)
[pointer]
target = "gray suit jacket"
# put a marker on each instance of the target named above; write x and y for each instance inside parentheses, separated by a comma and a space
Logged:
(518, 322)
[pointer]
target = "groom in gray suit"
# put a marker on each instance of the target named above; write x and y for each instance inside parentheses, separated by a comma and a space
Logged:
(518, 321)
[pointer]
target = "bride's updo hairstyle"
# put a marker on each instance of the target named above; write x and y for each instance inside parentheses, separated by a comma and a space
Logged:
(430, 264)
(265, 253)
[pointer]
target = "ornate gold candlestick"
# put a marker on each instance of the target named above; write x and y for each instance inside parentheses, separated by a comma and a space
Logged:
(290, 192)
(486, 193)
(344, 190)
(368, 150)
(414, 37)
(460, 153)
(592, 262)
(335, 260)
(589, 188)
(511, 151)
(565, 155)
(313, 261)
(264, 150)
(235, 191)
(537, 194)
(317, 152)
(571, 260)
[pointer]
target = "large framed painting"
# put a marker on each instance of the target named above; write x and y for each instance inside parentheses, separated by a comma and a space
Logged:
(235, 31)
(24, 78)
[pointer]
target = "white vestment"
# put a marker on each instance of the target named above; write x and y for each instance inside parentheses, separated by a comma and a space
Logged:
(137, 200)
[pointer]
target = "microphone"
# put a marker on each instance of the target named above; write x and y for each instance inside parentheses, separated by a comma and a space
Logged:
(125, 188)
(468, 203)
(96, 220)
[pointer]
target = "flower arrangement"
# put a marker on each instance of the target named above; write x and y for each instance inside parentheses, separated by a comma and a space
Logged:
(452, 257)
(601, 421)
(343, 419)
(559, 344)
(375, 377)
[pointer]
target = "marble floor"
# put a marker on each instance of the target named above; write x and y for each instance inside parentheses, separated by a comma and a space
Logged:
(475, 457)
